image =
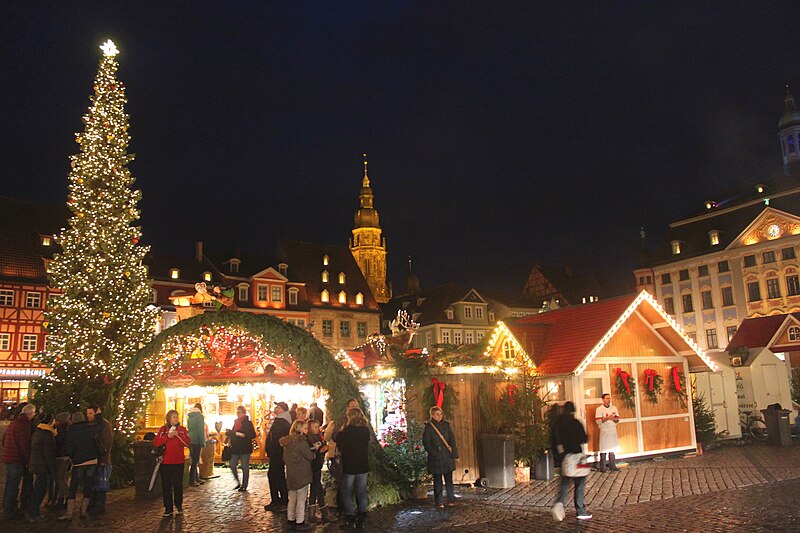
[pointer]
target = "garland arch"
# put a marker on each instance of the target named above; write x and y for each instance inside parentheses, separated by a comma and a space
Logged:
(273, 337)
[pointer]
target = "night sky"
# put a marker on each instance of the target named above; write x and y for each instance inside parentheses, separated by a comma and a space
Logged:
(497, 133)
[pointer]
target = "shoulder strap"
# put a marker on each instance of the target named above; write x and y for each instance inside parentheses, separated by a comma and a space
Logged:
(449, 449)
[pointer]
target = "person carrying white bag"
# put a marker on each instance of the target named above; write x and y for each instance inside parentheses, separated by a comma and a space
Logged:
(569, 438)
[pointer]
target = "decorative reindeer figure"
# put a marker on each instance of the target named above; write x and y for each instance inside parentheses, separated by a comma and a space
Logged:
(403, 330)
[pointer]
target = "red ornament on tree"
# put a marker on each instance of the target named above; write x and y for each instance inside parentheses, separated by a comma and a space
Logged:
(135, 240)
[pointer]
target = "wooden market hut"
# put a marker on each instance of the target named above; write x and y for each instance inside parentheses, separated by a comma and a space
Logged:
(580, 351)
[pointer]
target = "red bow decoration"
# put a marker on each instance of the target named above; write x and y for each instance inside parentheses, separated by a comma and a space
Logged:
(676, 378)
(512, 393)
(438, 391)
(624, 376)
(649, 378)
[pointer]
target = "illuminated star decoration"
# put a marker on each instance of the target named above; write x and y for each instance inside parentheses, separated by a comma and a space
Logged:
(109, 48)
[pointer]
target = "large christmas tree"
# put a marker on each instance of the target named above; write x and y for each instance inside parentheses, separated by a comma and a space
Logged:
(102, 316)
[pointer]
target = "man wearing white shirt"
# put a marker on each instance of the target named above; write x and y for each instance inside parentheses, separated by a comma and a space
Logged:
(607, 417)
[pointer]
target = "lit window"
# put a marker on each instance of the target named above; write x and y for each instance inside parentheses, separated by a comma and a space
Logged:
(324, 276)
(713, 237)
(244, 293)
(794, 333)
(325, 260)
(341, 278)
(293, 296)
(29, 343)
(46, 240)
(325, 296)
(5, 341)
(342, 298)
(467, 311)
(277, 293)
(359, 299)
(449, 314)
(174, 273)
(479, 312)
(509, 351)
(33, 299)
(263, 294)
(6, 297)
(206, 276)
(48, 267)
(676, 247)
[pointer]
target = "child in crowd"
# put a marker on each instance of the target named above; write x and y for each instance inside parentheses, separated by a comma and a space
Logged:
(297, 455)
(317, 442)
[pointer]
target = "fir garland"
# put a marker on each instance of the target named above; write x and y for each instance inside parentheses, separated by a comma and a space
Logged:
(626, 388)
(653, 384)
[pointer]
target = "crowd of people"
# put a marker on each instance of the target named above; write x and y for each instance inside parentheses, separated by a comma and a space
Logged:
(49, 458)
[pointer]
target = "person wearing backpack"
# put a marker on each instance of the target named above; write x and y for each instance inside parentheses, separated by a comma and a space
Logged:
(175, 438)
(241, 440)
(440, 443)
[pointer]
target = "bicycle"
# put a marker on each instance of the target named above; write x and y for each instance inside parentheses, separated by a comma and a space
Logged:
(753, 426)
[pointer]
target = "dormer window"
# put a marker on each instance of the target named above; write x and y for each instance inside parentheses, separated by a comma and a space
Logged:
(341, 278)
(342, 297)
(47, 240)
(713, 237)
(359, 299)
(206, 276)
(676, 247)
(244, 292)
(283, 268)
(234, 266)
(794, 333)
(324, 276)
(174, 273)
(325, 260)
(325, 296)
(449, 314)
(293, 295)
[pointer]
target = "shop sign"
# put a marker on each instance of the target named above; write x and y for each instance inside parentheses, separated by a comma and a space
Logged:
(180, 380)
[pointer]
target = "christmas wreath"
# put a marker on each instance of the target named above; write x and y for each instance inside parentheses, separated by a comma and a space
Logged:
(652, 384)
(679, 384)
(626, 388)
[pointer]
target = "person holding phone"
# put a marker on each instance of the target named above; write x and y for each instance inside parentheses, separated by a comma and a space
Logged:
(176, 439)
(241, 439)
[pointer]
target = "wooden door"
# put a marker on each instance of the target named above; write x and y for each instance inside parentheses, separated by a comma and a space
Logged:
(593, 386)
(716, 391)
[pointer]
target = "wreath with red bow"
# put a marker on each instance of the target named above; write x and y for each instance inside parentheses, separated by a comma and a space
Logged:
(653, 384)
(679, 384)
(626, 388)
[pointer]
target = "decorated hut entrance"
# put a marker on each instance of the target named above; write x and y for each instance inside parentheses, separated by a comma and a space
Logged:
(225, 359)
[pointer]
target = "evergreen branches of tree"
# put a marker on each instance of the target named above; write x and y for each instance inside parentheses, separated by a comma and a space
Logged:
(705, 427)
(521, 410)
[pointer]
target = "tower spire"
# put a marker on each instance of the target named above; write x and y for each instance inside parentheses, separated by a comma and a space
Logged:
(365, 181)
(789, 135)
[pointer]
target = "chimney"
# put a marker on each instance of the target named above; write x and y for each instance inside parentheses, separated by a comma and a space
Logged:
(198, 252)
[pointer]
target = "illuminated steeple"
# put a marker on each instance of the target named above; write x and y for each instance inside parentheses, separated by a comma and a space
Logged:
(789, 135)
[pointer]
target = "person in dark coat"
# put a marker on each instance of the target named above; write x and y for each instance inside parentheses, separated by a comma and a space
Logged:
(353, 445)
(104, 436)
(63, 462)
(42, 464)
(281, 424)
(241, 440)
(569, 438)
(315, 413)
(16, 456)
(440, 443)
(82, 451)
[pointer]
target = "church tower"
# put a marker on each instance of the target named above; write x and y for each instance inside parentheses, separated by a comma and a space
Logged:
(789, 135)
(367, 245)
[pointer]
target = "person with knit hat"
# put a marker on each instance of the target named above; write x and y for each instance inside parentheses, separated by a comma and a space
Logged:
(42, 464)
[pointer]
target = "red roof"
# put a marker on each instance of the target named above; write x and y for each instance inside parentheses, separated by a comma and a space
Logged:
(559, 340)
(757, 332)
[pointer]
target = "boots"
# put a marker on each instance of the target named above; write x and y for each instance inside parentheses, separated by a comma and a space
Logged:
(311, 515)
(70, 509)
(360, 520)
(328, 515)
(349, 522)
(85, 507)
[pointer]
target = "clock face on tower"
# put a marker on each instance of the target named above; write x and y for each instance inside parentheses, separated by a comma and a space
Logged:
(774, 231)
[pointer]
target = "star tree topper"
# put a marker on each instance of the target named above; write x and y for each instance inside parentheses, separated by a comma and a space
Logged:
(109, 48)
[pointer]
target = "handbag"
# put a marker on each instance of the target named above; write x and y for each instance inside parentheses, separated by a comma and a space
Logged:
(158, 451)
(103, 481)
(575, 465)
(226, 453)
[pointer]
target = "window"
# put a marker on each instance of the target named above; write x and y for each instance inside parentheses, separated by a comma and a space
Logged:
(341, 278)
(342, 297)
(479, 335)
(707, 301)
(5, 341)
(491, 317)
(676, 247)
(790, 142)
(344, 328)
(359, 299)
(479, 312)
(428, 338)
(327, 328)
(713, 237)
(325, 260)
(773, 289)
(206, 276)
(293, 296)
(263, 294)
(300, 322)
(723, 266)
(688, 305)
(234, 266)
(33, 299)
(727, 296)
(731, 331)
(711, 339)
(753, 291)
(6, 297)
(794, 333)
(154, 296)
(684, 274)
(29, 343)
(469, 337)
(361, 327)
(449, 314)
(244, 293)
(793, 285)
(47, 240)
(325, 296)
(174, 273)
(445, 336)
(669, 305)
(666, 279)
(692, 335)
(509, 351)
(769, 257)
(749, 260)
(324, 276)
(457, 337)
(277, 293)
(467, 312)
(787, 253)
(702, 270)
(649, 281)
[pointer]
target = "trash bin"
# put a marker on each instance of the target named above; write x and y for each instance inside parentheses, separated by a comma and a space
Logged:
(544, 467)
(143, 464)
(779, 432)
(207, 459)
(497, 458)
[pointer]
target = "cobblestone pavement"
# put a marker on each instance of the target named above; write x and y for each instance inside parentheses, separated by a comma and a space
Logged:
(752, 488)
